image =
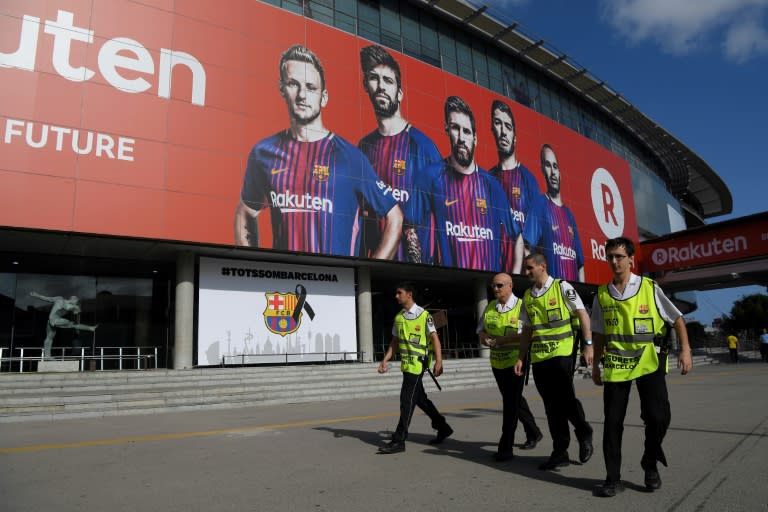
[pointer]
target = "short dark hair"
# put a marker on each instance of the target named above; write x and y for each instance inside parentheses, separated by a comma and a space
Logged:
(456, 104)
(537, 257)
(500, 105)
(619, 241)
(408, 286)
(301, 53)
(374, 55)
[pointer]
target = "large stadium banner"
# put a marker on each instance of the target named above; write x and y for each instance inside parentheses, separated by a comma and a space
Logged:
(252, 312)
(237, 123)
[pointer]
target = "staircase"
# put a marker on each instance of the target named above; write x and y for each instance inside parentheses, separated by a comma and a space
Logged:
(53, 396)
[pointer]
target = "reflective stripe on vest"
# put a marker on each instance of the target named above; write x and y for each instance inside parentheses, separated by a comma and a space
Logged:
(502, 324)
(630, 326)
(551, 323)
(413, 341)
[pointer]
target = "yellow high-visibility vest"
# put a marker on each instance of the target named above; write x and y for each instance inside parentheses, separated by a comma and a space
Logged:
(551, 324)
(630, 327)
(415, 349)
(502, 324)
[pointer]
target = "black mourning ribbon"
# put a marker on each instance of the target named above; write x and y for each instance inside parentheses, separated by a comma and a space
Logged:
(301, 293)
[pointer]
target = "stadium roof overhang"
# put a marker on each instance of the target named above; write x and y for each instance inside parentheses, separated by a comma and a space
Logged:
(701, 191)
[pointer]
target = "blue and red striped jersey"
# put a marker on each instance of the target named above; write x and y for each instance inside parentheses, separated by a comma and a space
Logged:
(397, 159)
(471, 216)
(522, 190)
(315, 191)
(551, 230)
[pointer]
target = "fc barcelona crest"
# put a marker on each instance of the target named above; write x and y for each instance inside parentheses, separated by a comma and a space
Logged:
(481, 205)
(643, 309)
(552, 301)
(570, 231)
(320, 172)
(278, 315)
(516, 192)
(284, 310)
(399, 167)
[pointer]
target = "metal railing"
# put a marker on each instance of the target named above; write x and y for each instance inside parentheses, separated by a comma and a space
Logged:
(89, 359)
(292, 357)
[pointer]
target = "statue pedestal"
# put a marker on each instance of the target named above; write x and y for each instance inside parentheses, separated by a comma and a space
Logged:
(58, 366)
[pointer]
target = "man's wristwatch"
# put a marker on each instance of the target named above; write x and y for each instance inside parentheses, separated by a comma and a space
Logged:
(588, 343)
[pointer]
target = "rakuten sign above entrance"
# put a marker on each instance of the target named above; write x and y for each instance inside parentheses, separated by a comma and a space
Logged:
(747, 238)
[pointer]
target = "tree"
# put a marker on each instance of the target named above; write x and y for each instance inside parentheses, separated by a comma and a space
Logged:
(749, 314)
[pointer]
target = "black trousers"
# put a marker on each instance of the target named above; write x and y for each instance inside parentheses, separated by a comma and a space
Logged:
(734, 352)
(515, 407)
(654, 411)
(412, 394)
(764, 351)
(554, 381)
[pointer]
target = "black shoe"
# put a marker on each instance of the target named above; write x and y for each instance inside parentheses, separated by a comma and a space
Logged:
(585, 449)
(392, 447)
(556, 460)
(531, 443)
(652, 479)
(442, 434)
(608, 489)
(503, 456)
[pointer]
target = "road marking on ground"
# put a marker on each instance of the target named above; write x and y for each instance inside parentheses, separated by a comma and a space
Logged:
(226, 431)
(281, 426)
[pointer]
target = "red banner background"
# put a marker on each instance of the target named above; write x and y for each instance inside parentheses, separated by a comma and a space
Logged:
(187, 161)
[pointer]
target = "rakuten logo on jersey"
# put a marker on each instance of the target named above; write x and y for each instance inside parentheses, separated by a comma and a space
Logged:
(396, 193)
(695, 251)
(466, 233)
(117, 58)
(288, 202)
(565, 252)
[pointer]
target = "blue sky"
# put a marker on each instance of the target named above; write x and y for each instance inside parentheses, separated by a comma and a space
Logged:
(697, 68)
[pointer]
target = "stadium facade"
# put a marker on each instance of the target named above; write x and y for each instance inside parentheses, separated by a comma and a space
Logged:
(246, 181)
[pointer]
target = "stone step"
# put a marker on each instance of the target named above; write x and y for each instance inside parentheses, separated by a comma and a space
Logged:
(35, 396)
(94, 394)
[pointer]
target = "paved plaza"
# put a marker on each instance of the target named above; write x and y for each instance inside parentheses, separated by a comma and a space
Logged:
(322, 456)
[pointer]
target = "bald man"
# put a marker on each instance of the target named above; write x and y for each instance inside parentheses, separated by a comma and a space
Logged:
(499, 329)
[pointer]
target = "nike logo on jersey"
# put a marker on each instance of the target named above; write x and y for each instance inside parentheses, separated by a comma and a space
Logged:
(451, 203)
(278, 171)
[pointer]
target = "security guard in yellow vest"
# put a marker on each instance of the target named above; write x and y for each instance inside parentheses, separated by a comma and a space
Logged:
(630, 317)
(499, 329)
(548, 306)
(415, 337)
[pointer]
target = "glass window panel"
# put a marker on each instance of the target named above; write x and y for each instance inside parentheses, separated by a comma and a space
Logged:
(344, 22)
(410, 30)
(447, 49)
(7, 304)
(429, 38)
(346, 6)
(318, 10)
(463, 50)
(293, 6)
(390, 19)
(368, 25)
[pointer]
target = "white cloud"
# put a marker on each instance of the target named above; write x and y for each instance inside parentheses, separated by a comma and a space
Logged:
(681, 26)
(745, 39)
